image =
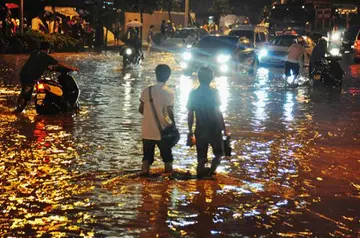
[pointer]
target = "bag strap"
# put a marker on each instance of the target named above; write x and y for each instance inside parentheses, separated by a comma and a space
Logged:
(154, 109)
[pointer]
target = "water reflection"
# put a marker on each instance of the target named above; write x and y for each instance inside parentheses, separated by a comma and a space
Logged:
(294, 167)
(222, 84)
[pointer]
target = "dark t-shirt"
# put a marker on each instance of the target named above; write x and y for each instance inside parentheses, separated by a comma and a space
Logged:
(35, 66)
(205, 101)
(318, 53)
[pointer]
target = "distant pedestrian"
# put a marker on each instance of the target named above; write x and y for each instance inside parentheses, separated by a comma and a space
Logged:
(116, 31)
(163, 28)
(204, 104)
(150, 39)
(162, 108)
(37, 24)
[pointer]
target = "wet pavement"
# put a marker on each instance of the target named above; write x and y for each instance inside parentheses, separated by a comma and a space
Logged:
(294, 171)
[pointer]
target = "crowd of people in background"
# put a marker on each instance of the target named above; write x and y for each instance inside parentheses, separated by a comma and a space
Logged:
(47, 22)
(9, 24)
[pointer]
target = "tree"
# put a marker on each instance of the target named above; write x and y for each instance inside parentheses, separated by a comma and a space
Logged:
(221, 7)
(170, 5)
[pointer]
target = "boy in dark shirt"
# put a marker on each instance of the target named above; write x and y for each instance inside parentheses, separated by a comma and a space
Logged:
(204, 103)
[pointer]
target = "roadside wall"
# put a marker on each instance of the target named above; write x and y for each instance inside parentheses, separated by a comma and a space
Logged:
(155, 19)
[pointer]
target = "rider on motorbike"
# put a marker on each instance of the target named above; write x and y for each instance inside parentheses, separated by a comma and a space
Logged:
(318, 54)
(32, 70)
(134, 41)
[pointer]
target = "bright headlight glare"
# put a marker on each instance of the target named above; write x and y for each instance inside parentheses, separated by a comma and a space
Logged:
(263, 53)
(128, 51)
(223, 58)
(187, 55)
(336, 36)
(188, 46)
(335, 51)
(183, 65)
(224, 68)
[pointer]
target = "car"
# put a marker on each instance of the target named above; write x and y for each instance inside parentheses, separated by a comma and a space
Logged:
(275, 52)
(258, 35)
(185, 37)
(357, 48)
(348, 41)
(225, 54)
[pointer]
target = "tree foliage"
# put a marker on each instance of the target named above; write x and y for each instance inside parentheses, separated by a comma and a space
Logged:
(221, 7)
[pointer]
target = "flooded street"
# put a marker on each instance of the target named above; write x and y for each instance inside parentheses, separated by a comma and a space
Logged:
(294, 172)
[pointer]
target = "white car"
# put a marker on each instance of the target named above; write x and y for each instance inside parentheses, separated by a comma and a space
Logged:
(275, 52)
(183, 38)
(258, 35)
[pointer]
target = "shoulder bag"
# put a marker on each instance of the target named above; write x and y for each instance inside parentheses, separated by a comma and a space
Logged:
(169, 134)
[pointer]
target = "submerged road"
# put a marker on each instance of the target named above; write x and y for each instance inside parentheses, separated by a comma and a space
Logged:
(294, 172)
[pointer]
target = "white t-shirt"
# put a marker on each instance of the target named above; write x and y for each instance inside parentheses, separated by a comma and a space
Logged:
(295, 52)
(163, 97)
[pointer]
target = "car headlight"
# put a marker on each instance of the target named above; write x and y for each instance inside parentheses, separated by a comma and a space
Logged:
(187, 56)
(335, 51)
(335, 36)
(263, 53)
(189, 46)
(128, 51)
(223, 58)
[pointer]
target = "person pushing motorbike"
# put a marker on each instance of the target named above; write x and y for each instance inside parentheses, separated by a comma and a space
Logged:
(34, 67)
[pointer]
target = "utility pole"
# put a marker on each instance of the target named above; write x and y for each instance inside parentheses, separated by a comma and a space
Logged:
(21, 17)
(186, 20)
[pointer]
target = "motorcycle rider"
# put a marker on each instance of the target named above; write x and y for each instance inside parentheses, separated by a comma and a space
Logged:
(32, 70)
(134, 41)
(318, 54)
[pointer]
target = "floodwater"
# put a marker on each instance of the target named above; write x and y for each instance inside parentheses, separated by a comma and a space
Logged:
(294, 172)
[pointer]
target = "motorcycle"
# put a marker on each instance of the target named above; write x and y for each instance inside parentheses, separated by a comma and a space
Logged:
(55, 96)
(328, 72)
(131, 56)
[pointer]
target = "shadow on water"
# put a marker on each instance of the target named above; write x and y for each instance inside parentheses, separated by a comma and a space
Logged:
(294, 170)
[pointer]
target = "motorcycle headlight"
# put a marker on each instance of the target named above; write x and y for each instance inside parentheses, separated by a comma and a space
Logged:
(187, 56)
(128, 51)
(335, 51)
(263, 53)
(223, 58)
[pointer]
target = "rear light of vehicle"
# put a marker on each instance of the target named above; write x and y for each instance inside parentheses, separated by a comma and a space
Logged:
(357, 43)
(41, 87)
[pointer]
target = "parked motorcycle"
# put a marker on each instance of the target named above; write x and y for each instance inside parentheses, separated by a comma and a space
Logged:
(328, 72)
(54, 96)
(131, 56)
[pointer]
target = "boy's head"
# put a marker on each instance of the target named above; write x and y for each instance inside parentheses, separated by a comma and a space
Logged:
(205, 75)
(152, 27)
(44, 46)
(162, 72)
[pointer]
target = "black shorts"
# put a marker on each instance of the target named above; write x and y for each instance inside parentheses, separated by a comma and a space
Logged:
(149, 150)
(203, 142)
(294, 67)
